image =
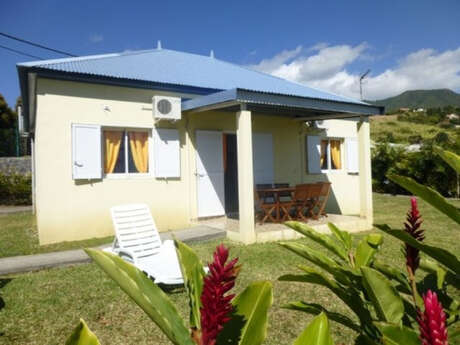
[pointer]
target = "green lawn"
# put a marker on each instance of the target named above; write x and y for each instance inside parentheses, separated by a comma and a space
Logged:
(18, 236)
(43, 307)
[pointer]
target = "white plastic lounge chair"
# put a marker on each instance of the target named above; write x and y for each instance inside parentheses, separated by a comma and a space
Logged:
(137, 240)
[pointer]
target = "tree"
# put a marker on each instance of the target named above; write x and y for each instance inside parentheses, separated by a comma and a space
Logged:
(8, 116)
(8, 121)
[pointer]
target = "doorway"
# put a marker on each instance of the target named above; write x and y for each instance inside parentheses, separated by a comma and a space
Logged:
(230, 174)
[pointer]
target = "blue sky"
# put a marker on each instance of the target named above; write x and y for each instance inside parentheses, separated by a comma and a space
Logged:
(326, 44)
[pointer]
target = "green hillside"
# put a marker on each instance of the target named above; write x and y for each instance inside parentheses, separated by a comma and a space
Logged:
(388, 128)
(420, 99)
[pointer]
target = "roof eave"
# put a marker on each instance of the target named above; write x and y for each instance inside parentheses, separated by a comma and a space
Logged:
(227, 99)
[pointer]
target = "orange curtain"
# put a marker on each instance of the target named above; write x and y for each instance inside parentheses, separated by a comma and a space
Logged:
(112, 148)
(335, 154)
(323, 154)
(138, 142)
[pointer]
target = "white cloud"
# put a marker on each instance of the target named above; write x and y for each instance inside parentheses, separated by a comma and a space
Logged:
(96, 38)
(325, 67)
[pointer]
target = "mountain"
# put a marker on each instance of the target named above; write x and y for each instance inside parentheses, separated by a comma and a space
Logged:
(420, 99)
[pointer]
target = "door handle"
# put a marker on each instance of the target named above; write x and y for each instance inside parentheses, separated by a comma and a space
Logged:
(199, 175)
(77, 164)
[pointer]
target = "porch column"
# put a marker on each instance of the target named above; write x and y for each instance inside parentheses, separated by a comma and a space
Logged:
(365, 177)
(245, 176)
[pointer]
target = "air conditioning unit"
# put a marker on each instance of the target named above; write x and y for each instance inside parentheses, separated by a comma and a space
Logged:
(166, 108)
(321, 124)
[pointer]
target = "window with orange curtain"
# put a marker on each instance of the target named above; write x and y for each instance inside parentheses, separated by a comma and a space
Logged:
(331, 154)
(323, 160)
(126, 152)
(336, 155)
(138, 152)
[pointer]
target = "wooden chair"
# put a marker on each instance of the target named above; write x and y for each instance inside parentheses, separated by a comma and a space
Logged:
(301, 200)
(285, 196)
(264, 210)
(268, 197)
(324, 196)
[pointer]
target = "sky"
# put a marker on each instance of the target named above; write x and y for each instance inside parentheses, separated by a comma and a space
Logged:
(412, 44)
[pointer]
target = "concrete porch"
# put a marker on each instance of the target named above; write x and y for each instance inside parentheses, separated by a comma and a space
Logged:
(269, 232)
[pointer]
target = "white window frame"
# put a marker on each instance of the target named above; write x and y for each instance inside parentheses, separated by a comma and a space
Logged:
(328, 154)
(127, 174)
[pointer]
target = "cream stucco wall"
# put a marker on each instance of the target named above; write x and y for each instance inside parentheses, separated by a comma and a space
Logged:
(345, 194)
(73, 210)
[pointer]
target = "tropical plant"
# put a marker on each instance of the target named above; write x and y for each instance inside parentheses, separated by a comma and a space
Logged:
(348, 275)
(395, 308)
(216, 316)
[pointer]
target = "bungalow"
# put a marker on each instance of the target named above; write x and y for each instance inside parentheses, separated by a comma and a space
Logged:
(161, 127)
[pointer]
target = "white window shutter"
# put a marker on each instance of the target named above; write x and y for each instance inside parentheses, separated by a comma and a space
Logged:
(166, 153)
(352, 155)
(314, 154)
(86, 151)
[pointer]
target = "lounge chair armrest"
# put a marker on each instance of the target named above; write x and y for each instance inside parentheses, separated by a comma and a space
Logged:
(127, 255)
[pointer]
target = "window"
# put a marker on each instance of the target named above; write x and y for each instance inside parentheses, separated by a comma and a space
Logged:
(331, 154)
(126, 152)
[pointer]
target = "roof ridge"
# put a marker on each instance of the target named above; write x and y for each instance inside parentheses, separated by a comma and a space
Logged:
(87, 57)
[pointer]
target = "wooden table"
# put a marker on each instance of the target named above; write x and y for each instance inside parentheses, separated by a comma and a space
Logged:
(276, 194)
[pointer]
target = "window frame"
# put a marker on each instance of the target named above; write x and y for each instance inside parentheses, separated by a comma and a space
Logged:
(328, 155)
(128, 174)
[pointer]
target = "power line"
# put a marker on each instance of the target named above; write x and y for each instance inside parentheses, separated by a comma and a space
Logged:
(20, 52)
(35, 44)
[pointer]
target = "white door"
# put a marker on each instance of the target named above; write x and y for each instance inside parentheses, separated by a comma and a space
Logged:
(210, 174)
(262, 150)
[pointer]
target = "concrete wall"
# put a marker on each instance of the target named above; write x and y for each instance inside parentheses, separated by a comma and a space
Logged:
(19, 165)
(74, 210)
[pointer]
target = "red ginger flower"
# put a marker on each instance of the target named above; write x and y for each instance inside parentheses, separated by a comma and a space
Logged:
(216, 305)
(432, 322)
(412, 226)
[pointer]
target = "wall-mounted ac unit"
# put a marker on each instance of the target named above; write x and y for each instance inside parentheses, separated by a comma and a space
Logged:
(166, 108)
(321, 124)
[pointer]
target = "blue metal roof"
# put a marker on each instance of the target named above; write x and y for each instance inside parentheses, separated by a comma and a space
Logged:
(298, 106)
(183, 69)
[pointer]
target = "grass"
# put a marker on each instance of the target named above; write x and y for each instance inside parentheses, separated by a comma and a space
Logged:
(19, 236)
(399, 131)
(43, 307)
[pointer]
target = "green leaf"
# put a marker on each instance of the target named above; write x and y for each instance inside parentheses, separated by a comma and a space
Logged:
(324, 240)
(350, 296)
(367, 248)
(342, 274)
(316, 309)
(429, 195)
(449, 157)
(394, 273)
(443, 256)
(316, 333)
(343, 236)
(386, 300)
(146, 294)
(82, 335)
(434, 267)
(397, 335)
(252, 305)
(193, 273)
